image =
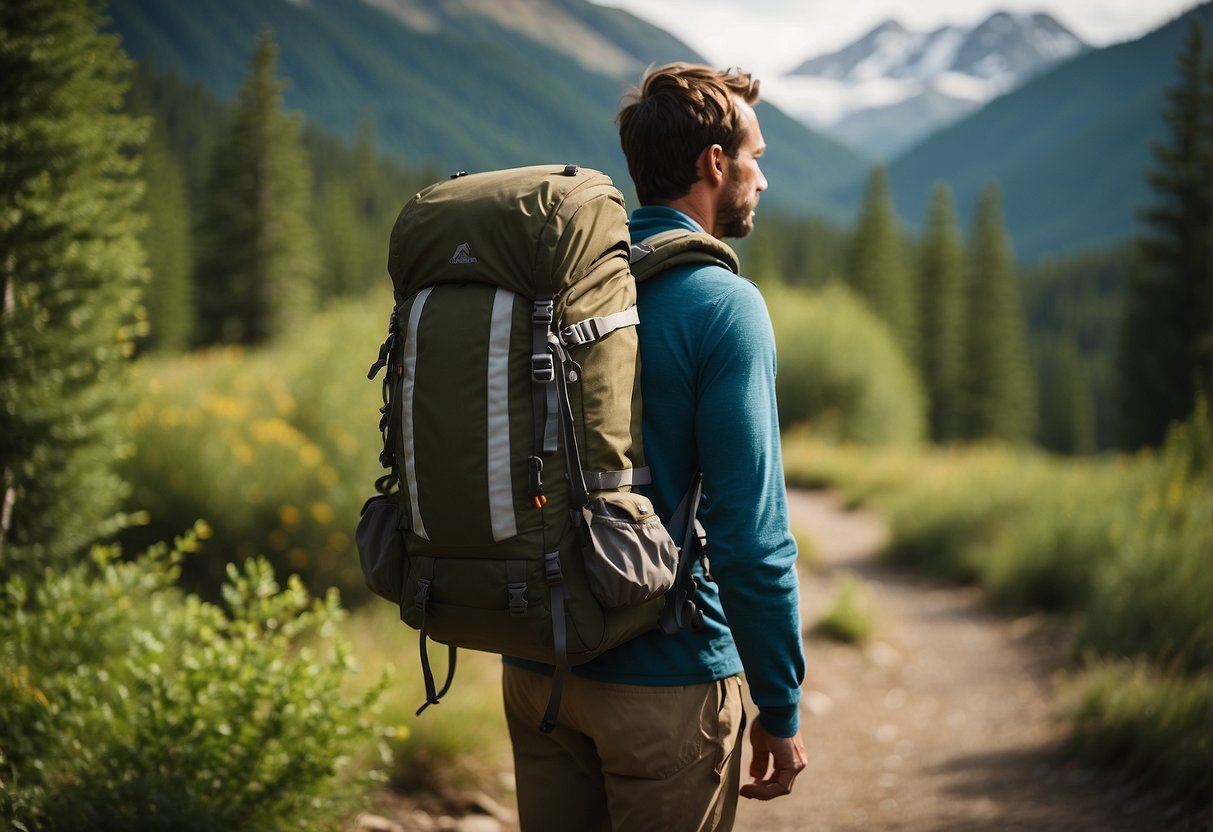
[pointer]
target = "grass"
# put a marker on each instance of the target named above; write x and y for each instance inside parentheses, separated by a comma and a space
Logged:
(850, 618)
(1155, 725)
(461, 743)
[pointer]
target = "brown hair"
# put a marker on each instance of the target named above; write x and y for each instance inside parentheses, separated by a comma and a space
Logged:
(667, 121)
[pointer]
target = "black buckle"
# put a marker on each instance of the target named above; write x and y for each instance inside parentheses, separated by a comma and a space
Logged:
(423, 593)
(543, 312)
(518, 601)
(543, 368)
(551, 569)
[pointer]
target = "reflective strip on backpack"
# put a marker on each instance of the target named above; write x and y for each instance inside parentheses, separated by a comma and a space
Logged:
(407, 386)
(501, 486)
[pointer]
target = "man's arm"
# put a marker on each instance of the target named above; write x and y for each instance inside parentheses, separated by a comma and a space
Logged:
(752, 550)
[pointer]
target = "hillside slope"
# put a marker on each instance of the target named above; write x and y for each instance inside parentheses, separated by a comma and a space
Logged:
(1069, 147)
(449, 87)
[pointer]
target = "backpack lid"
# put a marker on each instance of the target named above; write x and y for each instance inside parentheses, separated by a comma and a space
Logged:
(509, 228)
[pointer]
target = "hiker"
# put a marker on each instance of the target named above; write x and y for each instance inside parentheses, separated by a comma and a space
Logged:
(648, 733)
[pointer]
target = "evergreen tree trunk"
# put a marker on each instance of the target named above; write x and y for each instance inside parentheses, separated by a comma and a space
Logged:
(876, 265)
(256, 270)
(70, 273)
(941, 279)
(1165, 355)
(999, 392)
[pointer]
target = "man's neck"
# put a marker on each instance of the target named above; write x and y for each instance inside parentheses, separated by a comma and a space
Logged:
(695, 207)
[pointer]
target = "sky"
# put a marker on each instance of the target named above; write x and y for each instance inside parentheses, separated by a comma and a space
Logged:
(772, 36)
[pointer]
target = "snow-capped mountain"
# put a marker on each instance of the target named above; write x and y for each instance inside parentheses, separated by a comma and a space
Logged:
(893, 86)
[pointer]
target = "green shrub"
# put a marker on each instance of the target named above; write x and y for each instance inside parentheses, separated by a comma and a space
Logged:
(127, 704)
(1154, 727)
(276, 447)
(849, 618)
(946, 520)
(1050, 554)
(1152, 597)
(841, 371)
(460, 742)
(862, 476)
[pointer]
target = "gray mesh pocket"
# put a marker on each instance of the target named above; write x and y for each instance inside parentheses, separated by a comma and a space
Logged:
(629, 556)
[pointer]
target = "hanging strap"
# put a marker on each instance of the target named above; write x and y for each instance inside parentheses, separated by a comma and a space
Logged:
(421, 600)
(680, 611)
(555, 582)
(554, 577)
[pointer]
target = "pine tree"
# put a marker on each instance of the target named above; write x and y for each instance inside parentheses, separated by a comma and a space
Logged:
(1165, 355)
(257, 265)
(942, 307)
(999, 396)
(342, 240)
(70, 273)
(876, 264)
(169, 295)
(1069, 414)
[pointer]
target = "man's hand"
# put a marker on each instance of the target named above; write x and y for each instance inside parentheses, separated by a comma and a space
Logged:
(783, 756)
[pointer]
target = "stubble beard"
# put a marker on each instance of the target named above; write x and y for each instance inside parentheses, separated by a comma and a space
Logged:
(735, 216)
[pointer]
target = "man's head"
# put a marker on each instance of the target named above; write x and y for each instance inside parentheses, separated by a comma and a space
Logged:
(692, 140)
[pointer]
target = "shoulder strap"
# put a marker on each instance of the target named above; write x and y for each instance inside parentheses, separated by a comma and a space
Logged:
(678, 247)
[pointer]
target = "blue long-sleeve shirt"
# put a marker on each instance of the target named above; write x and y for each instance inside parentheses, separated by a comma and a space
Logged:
(708, 384)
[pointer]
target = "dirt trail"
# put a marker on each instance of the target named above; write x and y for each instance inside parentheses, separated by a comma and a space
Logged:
(942, 722)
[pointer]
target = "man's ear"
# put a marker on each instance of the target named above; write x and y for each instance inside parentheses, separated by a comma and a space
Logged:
(711, 165)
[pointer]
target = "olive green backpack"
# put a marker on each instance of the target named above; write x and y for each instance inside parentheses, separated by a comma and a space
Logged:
(511, 420)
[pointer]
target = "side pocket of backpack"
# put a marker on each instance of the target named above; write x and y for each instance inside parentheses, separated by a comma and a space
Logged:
(380, 539)
(629, 556)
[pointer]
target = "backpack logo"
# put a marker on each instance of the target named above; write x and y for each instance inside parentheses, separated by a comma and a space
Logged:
(463, 255)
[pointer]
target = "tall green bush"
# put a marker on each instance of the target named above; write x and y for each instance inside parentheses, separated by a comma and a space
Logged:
(70, 272)
(841, 371)
(127, 704)
(1152, 596)
(275, 447)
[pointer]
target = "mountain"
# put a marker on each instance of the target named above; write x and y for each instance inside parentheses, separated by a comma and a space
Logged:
(461, 84)
(1069, 147)
(893, 86)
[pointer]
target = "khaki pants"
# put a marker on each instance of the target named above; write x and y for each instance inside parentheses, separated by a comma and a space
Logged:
(627, 758)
